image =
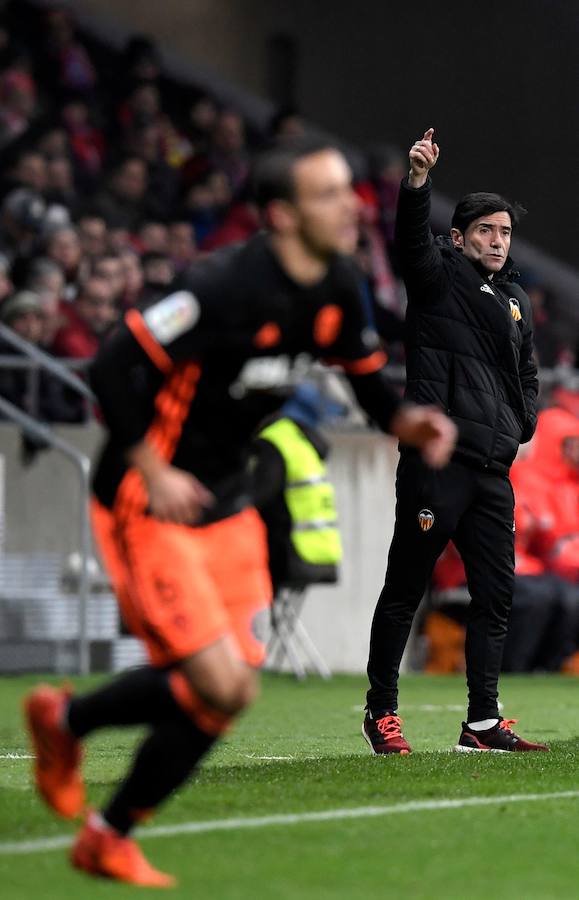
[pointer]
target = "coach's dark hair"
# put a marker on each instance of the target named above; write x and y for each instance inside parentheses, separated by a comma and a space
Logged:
(273, 176)
(480, 203)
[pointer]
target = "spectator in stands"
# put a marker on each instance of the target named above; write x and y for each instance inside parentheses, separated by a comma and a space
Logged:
(43, 397)
(29, 171)
(203, 115)
(387, 168)
(60, 188)
(17, 104)
(202, 209)
(53, 142)
(110, 267)
(554, 340)
(23, 314)
(87, 142)
(72, 66)
(92, 233)
(141, 107)
(133, 278)
(119, 236)
(286, 125)
(151, 143)
(44, 277)
(63, 246)
(6, 286)
(88, 320)
(228, 151)
(124, 199)
(153, 237)
(22, 217)
(384, 289)
(182, 246)
(140, 59)
(159, 273)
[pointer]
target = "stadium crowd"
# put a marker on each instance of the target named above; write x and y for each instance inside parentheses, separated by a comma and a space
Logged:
(114, 178)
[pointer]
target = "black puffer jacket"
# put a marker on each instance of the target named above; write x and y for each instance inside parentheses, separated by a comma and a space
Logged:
(468, 350)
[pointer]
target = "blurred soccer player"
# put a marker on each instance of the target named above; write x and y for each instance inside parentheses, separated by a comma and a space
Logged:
(185, 549)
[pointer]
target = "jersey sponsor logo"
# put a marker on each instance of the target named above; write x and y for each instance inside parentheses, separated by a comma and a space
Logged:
(265, 373)
(426, 519)
(487, 289)
(172, 316)
(515, 309)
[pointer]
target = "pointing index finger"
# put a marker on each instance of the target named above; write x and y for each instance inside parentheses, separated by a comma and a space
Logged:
(428, 134)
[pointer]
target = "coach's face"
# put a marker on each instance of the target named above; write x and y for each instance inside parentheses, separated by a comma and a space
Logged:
(325, 206)
(486, 240)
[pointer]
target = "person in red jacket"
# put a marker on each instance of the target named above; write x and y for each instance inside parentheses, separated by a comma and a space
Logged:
(88, 319)
(549, 482)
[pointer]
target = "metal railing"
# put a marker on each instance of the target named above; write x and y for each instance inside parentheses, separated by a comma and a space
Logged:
(37, 360)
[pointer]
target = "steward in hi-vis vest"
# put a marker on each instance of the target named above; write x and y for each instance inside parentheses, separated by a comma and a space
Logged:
(297, 502)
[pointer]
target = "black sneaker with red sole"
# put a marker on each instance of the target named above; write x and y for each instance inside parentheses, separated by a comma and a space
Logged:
(499, 739)
(383, 733)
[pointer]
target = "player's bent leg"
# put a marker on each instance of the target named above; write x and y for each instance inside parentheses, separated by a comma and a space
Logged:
(220, 678)
(208, 689)
(58, 752)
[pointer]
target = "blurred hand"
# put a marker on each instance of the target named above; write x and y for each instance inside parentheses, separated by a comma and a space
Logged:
(427, 428)
(176, 496)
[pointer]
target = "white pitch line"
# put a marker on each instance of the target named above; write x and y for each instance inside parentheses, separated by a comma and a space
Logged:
(328, 815)
(16, 756)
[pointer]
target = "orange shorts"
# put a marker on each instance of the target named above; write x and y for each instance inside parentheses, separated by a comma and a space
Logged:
(180, 588)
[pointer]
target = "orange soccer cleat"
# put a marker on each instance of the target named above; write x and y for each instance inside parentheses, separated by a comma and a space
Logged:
(99, 850)
(58, 753)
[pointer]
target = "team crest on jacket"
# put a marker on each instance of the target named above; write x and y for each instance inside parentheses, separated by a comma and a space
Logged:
(426, 519)
(515, 309)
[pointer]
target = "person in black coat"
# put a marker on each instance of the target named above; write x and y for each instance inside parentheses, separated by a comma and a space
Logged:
(469, 347)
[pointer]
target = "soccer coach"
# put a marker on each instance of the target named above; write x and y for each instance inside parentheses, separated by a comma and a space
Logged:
(469, 351)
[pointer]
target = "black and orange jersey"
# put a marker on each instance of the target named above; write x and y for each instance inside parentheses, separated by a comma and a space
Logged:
(196, 373)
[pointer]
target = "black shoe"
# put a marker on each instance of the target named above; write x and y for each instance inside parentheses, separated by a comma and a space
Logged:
(498, 739)
(384, 734)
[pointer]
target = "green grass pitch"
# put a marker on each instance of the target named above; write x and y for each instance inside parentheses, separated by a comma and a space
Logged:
(300, 751)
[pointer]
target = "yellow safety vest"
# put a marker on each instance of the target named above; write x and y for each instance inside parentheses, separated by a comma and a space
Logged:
(308, 494)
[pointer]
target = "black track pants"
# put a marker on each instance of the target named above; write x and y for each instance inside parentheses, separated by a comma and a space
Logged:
(476, 510)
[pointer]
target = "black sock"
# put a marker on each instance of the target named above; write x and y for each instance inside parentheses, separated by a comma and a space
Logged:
(163, 762)
(136, 697)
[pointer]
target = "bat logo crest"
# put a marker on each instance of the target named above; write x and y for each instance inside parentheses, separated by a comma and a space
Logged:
(426, 519)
